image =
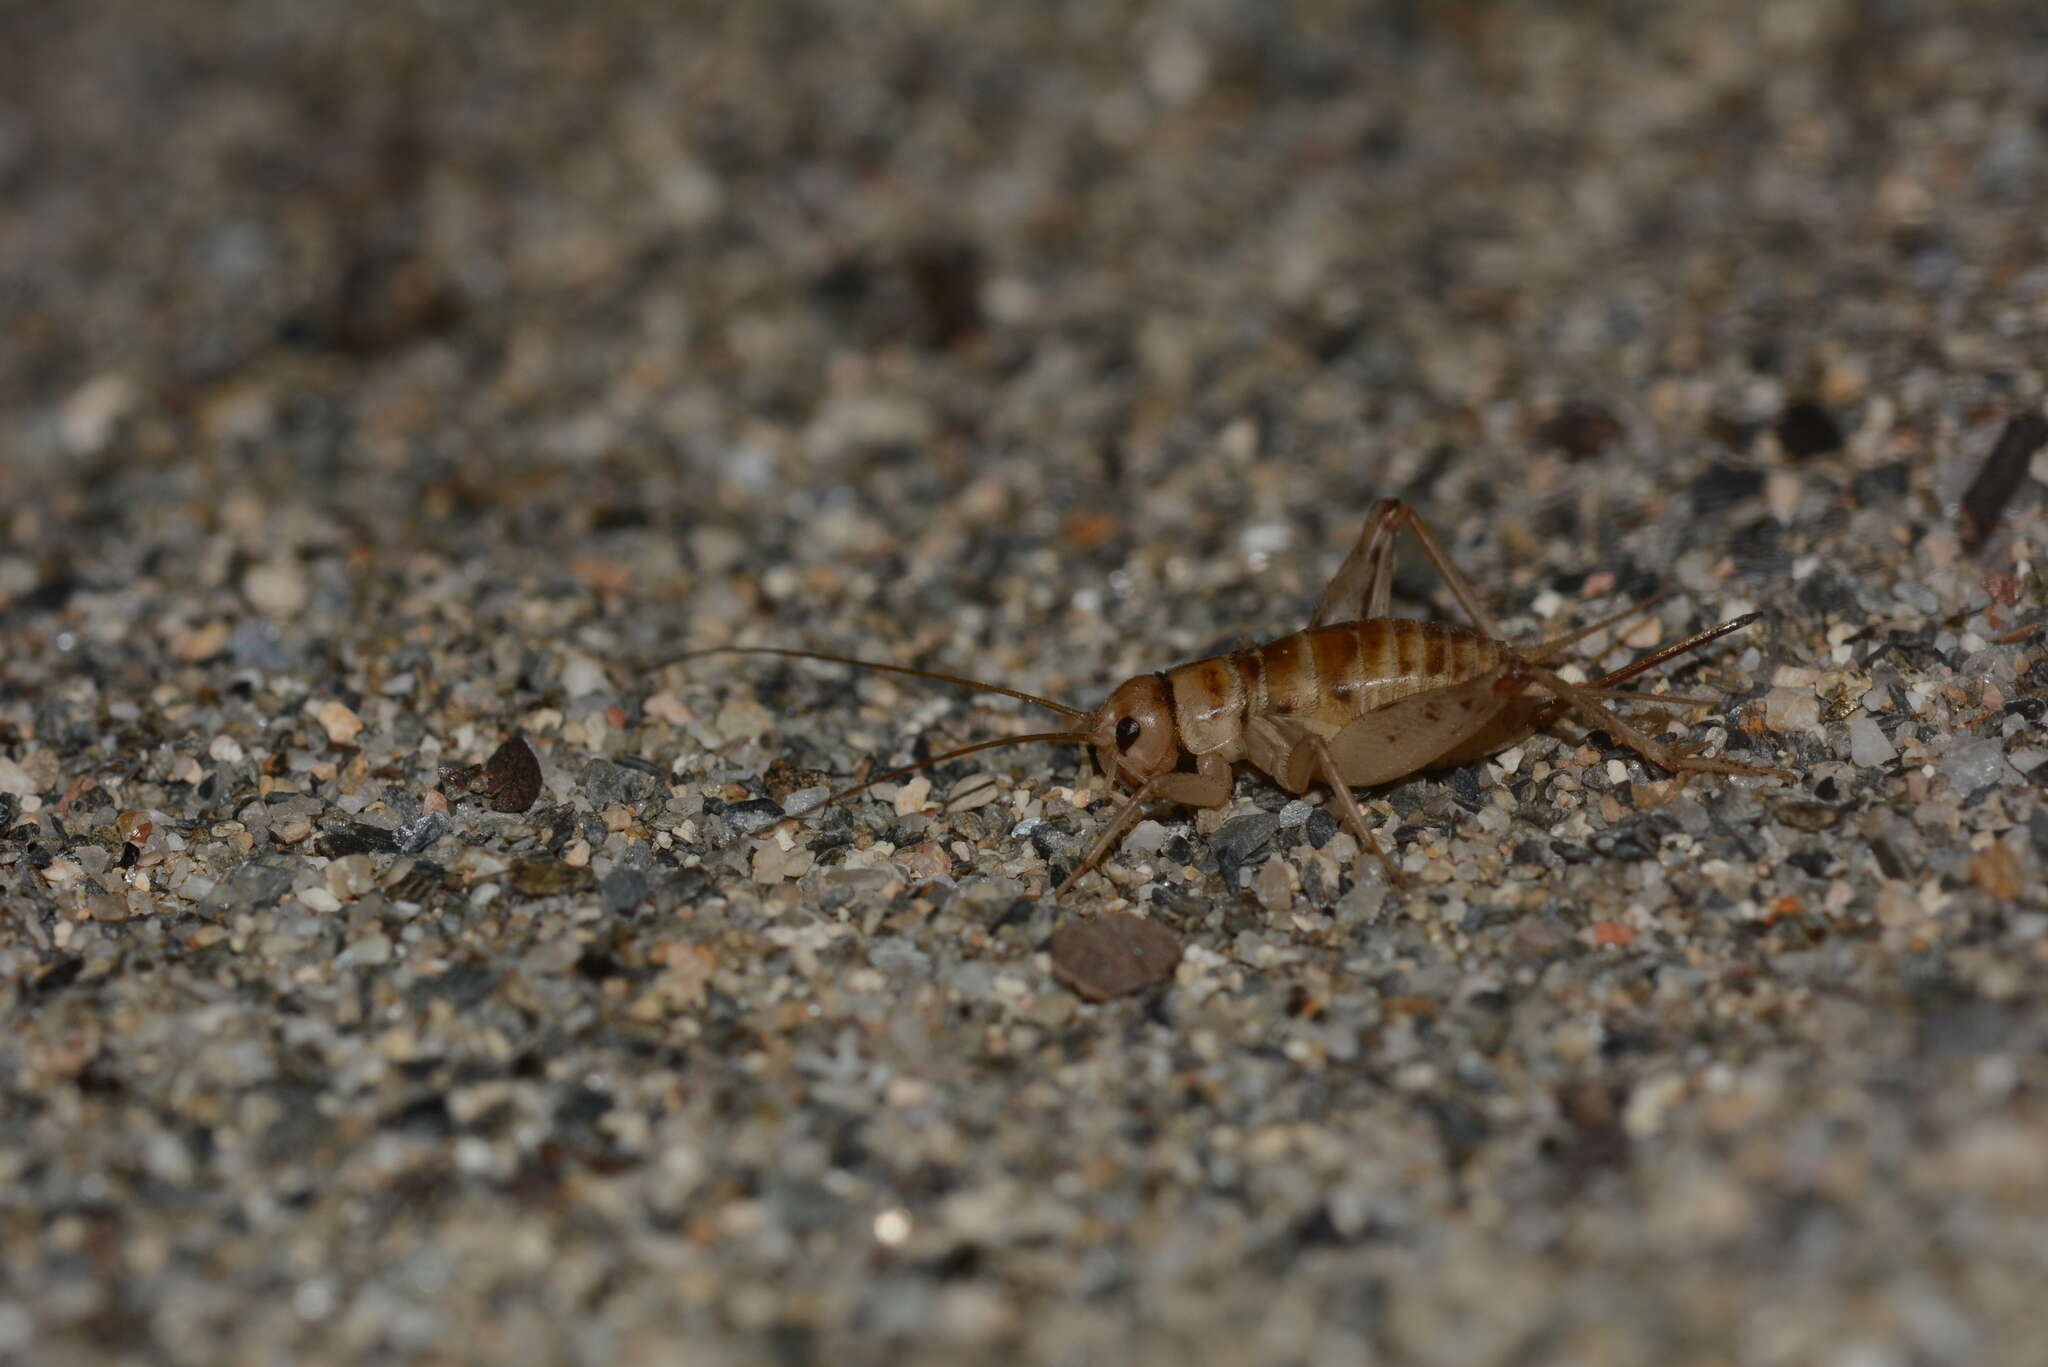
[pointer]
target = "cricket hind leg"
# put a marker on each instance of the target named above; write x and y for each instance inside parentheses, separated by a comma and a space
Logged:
(1603, 687)
(1679, 760)
(1363, 587)
(1522, 717)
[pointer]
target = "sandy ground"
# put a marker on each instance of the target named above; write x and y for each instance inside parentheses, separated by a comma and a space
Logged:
(381, 384)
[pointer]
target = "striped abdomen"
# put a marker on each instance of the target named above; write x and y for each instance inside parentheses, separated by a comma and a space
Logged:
(1323, 678)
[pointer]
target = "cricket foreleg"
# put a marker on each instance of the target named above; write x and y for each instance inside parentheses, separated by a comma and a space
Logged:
(1208, 786)
(1297, 758)
(1347, 803)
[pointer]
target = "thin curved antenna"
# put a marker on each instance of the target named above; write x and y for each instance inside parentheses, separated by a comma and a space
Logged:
(961, 679)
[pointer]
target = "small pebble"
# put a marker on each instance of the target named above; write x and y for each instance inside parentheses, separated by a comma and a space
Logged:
(1868, 746)
(93, 411)
(912, 795)
(741, 718)
(1274, 886)
(371, 951)
(668, 707)
(351, 876)
(973, 793)
(341, 724)
(925, 860)
(1113, 955)
(1242, 837)
(59, 872)
(1145, 838)
(582, 676)
(1791, 709)
(276, 588)
(512, 776)
(1973, 764)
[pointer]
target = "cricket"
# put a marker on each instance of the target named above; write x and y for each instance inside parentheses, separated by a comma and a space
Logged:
(1356, 699)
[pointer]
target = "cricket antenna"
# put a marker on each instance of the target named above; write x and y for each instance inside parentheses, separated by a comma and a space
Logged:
(1062, 708)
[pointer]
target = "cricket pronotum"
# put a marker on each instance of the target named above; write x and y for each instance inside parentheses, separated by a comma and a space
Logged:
(1354, 700)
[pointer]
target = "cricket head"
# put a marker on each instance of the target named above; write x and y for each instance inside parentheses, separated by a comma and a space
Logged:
(1133, 733)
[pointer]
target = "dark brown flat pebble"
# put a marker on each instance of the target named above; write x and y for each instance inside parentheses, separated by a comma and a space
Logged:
(1113, 955)
(512, 776)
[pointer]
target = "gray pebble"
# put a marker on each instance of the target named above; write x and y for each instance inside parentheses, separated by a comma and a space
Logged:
(419, 834)
(624, 889)
(1973, 764)
(1868, 745)
(1238, 839)
(255, 884)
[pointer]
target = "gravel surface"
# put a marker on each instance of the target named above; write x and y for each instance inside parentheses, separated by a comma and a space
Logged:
(399, 957)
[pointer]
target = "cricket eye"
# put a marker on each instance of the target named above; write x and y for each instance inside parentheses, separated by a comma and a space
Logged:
(1127, 732)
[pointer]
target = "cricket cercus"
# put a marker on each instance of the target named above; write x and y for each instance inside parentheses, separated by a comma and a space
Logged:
(1355, 699)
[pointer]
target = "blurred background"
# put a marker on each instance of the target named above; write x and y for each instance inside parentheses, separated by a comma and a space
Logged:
(871, 290)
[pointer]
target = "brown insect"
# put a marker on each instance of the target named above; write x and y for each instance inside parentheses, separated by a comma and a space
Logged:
(1356, 699)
